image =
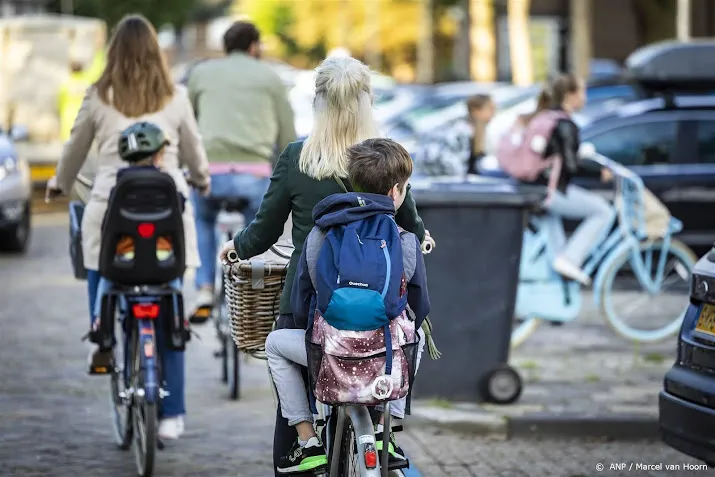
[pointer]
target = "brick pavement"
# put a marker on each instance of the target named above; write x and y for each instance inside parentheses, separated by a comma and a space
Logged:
(54, 418)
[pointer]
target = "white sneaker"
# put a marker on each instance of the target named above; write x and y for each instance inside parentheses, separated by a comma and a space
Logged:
(205, 298)
(171, 428)
(563, 267)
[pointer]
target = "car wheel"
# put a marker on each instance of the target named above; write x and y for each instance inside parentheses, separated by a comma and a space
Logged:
(16, 237)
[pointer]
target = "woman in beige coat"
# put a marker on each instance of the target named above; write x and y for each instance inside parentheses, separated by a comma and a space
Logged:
(135, 86)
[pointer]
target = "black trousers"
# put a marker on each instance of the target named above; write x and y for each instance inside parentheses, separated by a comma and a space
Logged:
(284, 436)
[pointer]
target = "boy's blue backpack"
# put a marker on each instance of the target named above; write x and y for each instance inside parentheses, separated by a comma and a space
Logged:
(359, 277)
(361, 343)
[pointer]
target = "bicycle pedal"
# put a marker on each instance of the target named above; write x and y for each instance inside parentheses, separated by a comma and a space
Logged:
(201, 315)
(399, 428)
(99, 370)
(397, 465)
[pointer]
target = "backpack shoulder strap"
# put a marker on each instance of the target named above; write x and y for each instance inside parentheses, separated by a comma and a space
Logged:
(313, 243)
(409, 253)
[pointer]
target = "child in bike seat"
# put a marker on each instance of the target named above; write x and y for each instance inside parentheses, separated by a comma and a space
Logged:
(378, 170)
(140, 156)
(141, 145)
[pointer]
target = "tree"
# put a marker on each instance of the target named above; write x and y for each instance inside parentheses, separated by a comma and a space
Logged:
(159, 12)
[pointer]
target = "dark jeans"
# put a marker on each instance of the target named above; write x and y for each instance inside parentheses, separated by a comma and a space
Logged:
(284, 436)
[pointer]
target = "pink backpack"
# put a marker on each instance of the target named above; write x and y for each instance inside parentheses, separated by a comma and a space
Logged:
(521, 151)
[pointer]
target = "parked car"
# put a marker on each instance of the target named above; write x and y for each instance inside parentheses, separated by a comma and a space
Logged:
(687, 402)
(15, 193)
(446, 105)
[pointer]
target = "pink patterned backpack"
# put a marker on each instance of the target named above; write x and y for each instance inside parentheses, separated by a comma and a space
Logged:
(521, 151)
(351, 367)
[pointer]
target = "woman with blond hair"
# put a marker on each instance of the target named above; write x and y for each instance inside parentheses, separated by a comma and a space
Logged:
(135, 86)
(309, 171)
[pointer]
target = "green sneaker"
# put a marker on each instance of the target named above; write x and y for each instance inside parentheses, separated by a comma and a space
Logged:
(303, 459)
(396, 453)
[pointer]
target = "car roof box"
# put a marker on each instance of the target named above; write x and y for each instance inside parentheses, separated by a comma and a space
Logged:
(674, 66)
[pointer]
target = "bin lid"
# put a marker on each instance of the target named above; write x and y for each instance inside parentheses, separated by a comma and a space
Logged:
(475, 191)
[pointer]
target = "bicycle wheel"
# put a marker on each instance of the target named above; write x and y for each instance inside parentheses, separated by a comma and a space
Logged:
(637, 314)
(233, 366)
(119, 401)
(144, 419)
(350, 458)
(522, 329)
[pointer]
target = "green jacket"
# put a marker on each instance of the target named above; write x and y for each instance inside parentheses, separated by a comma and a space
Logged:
(242, 109)
(293, 191)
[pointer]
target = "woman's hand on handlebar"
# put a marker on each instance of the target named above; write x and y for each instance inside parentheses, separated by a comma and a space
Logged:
(428, 243)
(52, 191)
(228, 254)
(606, 174)
(204, 190)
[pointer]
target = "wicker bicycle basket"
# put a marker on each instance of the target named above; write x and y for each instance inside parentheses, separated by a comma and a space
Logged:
(253, 291)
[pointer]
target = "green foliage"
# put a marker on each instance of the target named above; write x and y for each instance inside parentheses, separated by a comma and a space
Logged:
(159, 12)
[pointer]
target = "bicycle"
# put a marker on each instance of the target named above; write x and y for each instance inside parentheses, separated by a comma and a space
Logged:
(229, 222)
(545, 295)
(136, 380)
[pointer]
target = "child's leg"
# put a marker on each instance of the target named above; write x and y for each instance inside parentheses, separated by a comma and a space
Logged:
(285, 349)
(92, 285)
(99, 361)
(286, 353)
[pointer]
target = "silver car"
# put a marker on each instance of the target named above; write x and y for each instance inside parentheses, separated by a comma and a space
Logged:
(15, 193)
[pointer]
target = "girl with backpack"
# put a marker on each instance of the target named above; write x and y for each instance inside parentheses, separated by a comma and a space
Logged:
(542, 149)
(306, 173)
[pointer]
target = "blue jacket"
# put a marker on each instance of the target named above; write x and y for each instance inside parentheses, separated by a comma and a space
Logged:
(339, 209)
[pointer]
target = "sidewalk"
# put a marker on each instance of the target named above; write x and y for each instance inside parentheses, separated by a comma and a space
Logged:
(580, 379)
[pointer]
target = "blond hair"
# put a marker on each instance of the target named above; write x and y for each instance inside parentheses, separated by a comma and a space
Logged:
(342, 116)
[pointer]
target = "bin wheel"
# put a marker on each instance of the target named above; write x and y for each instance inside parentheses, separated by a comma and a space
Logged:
(502, 385)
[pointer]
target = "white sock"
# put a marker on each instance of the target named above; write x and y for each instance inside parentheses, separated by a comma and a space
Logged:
(302, 443)
(379, 428)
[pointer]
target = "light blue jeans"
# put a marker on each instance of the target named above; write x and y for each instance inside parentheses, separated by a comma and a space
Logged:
(172, 361)
(206, 209)
(597, 218)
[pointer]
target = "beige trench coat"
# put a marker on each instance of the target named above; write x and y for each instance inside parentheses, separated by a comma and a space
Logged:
(101, 123)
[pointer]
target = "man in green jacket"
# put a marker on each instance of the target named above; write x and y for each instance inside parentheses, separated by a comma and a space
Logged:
(245, 119)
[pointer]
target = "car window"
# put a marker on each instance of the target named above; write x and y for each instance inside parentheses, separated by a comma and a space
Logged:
(638, 144)
(706, 141)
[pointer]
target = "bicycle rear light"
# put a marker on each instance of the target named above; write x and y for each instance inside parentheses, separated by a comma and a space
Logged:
(145, 229)
(145, 311)
(370, 456)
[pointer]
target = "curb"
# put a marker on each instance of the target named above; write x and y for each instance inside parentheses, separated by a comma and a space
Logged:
(605, 426)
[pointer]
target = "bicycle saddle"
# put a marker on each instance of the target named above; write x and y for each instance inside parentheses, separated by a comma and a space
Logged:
(233, 204)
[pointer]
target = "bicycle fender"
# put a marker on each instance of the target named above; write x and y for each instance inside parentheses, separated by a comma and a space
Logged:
(616, 253)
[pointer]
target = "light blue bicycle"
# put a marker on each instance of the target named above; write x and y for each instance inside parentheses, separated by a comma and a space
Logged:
(632, 273)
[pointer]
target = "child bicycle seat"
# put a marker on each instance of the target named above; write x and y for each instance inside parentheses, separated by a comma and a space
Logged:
(143, 213)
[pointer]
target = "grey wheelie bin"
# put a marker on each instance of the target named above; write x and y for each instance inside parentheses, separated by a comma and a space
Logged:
(472, 276)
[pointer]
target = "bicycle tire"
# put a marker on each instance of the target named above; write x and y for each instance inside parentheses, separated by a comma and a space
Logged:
(145, 418)
(234, 366)
(145, 460)
(122, 424)
(521, 333)
(348, 451)
(678, 249)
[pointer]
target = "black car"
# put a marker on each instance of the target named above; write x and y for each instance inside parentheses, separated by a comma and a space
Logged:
(687, 403)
